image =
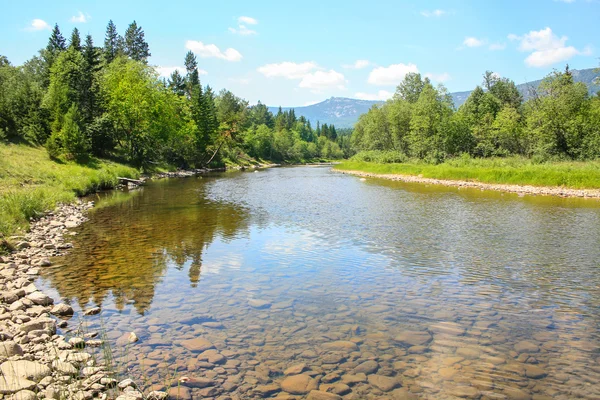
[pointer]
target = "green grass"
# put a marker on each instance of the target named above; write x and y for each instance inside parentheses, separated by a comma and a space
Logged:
(31, 183)
(513, 170)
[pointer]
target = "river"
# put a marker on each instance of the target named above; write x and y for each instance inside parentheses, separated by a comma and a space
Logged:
(370, 289)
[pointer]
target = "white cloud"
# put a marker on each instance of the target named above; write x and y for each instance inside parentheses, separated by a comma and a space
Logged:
(212, 51)
(440, 78)
(38, 25)
(497, 46)
(242, 30)
(381, 95)
(288, 70)
(166, 71)
(433, 13)
(358, 64)
(81, 18)
(319, 80)
(473, 42)
(392, 75)
(546, 48)
(247, 20)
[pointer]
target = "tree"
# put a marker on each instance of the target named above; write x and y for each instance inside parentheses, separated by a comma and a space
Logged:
(136, 46)
(410, 88)
(141, 110)
(74, 140)
(177, 83)
(75, 41)
(113, 43)
(191, 67)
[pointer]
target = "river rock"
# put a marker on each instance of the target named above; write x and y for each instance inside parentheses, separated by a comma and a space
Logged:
(30, 370)
(266, 390)
(12, 384)
(383, 383)
(514, 393)
(39, 324)
(10, 349)
(413, 338)
(468, 392)
(526, 346)
(64, 367)
(299, 384)
(350, 379)
(92, 311)
(336, 388)
(319, 395)
(295, 369)
(197, 344)
(368, 367)
(341, 345)
(260, 304)
(62, 310)
(533, 371)
(179, 393)
(196, 382)
(40, 299)
(24, 395)
(157, 395)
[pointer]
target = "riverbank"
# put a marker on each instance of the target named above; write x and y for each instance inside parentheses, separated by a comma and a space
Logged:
(34, 358)
(560, 179)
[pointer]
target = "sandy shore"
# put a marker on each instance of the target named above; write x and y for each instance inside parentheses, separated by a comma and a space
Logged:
(519, 189)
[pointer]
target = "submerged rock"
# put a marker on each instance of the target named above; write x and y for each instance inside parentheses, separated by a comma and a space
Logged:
(299, 384)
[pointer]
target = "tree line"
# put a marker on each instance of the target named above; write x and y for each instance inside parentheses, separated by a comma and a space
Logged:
(559, 121)
(81, 101)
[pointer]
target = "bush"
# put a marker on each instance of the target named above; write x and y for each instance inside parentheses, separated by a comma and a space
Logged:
(380, 156)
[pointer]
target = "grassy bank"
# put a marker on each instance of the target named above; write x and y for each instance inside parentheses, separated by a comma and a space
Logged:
(514, 171)
(30, 183)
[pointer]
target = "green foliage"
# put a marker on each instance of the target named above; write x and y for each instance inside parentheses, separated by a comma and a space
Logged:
(559, 122)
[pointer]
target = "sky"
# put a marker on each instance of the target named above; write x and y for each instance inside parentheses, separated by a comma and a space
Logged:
(300, 53)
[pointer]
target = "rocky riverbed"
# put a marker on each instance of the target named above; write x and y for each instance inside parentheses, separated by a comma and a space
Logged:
(519, 189)
(36, 362)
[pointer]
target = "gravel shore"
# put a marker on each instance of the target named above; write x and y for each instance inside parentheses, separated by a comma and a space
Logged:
(519, 189)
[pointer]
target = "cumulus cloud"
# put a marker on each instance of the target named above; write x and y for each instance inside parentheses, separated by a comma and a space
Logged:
(38, 25)
(473, 42)
(440, 78)
(212, 51)
(380, 95)
(433, 13)
(392, 75)
(358, 64)
(247, 20)
(242, 29)
(166, 71)
(80, 17)
(546, 48)
(320, 80)
(288, 70)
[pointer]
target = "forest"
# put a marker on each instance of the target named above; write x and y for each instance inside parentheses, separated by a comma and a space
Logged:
(559, 122)
(81, 101)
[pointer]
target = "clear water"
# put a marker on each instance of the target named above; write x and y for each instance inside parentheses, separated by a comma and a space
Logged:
(453, 293)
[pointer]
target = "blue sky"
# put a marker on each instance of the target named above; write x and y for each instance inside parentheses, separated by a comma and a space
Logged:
(298, 53)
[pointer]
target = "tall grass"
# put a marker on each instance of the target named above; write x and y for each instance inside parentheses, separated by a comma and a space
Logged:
(31, 183)
(512, 170)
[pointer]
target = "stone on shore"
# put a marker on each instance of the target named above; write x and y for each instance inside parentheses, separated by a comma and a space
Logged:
(24, 369)
(62, 310)
(10, 349)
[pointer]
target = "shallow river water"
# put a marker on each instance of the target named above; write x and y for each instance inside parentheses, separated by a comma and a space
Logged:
(370, 289)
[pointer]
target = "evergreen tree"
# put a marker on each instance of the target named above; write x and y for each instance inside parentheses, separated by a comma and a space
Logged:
(191, 67)
(113, 43)
(75, 41)
(177, 83)
(136, 46)
(57, 42)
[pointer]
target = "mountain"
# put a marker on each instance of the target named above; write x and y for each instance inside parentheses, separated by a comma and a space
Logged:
(343, 112)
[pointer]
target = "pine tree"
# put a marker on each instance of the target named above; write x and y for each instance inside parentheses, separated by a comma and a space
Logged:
(91, 55)
(177, 83)
(113, 43)
(136, 46)
(57, 42)
(192, 78)
(75, 41)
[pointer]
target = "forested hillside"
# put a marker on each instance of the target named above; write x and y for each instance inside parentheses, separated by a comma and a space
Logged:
(561, 120)
(81, 100)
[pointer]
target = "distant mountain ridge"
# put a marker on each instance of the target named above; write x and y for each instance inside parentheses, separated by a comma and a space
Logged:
(343, 112)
